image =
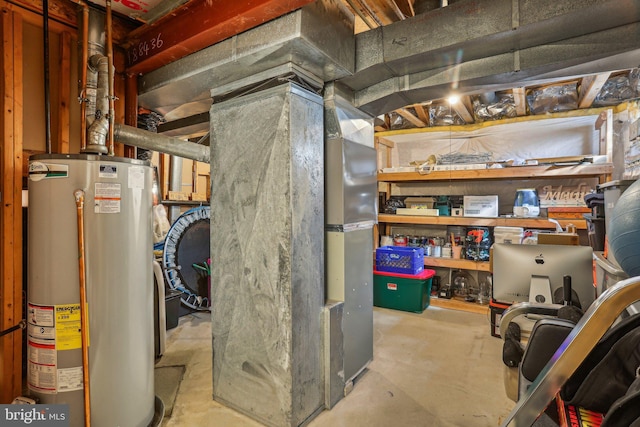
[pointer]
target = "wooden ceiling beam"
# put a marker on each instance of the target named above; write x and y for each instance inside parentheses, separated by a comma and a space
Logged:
(394, 7)
(365, 18)
(364, 7)
(463, 110)
(520, 101)
(199, 24)
(422, 113)
(406, 6)
(411, 117)
(590, 88)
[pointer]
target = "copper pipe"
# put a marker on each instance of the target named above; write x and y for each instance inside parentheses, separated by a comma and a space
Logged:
(111, 79)
(84, 321)
(83, 78)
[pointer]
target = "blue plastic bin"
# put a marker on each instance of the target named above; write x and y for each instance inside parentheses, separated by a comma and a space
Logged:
(400, 259)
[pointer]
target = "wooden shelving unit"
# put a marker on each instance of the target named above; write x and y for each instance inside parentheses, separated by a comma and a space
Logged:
(542, 223)
(457, 303)
(557, 171)
(461, 264)
(516, 172)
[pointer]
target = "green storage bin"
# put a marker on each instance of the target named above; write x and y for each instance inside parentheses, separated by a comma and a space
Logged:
(404, 292)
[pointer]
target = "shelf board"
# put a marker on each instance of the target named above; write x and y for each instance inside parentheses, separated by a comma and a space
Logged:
(544, 223)
(531, 172)
(463, 264)
(456, 303)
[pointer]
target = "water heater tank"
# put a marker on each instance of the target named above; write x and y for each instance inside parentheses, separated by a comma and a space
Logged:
(118, 241)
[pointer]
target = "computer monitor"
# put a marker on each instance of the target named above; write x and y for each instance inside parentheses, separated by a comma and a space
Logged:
(535, 272)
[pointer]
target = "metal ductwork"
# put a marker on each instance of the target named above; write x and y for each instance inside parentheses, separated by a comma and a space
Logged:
(317, 38)
(96, 85)
(475, 46)
(95, 45)
(152, 141)
(98, 122)
(471, 46)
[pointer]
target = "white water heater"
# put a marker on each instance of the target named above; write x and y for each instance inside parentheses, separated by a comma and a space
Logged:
(118, 243)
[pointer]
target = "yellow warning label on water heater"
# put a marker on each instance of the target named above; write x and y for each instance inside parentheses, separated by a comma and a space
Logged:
(68, 327)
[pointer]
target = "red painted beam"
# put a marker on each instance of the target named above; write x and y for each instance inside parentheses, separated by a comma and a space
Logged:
(199, 24)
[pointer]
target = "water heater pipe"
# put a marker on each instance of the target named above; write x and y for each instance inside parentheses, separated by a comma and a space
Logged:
(157, 142)
(98, 129)
(83, 76)
(112, 97)
(84, 321)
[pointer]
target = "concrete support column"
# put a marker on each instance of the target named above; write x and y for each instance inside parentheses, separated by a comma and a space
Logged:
(267, 251)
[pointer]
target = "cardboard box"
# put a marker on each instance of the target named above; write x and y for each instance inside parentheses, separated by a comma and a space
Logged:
(574, 212)
(178, 195)
(558, 239)
(511, 235)
(197, 197)
(481, 206)
(419, 202)
(417, 211)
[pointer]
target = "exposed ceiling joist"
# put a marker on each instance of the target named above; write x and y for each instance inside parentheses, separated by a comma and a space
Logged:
(405, 78)
(363, 17)
(422, 112)
(520, 100)
(199, 24)
(463, 110)
(394, 7)
(590, 87)
(406, 6)
(411, 118)
(365, 9)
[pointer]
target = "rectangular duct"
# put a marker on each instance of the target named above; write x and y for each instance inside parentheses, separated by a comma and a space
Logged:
(267, 251)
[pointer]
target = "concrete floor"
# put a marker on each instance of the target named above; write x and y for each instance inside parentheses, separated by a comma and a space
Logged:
(438, 368)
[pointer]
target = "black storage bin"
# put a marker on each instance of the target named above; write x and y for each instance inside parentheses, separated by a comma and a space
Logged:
(172, 307)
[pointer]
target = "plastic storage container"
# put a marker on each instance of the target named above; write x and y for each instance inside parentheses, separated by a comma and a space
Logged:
(508, 234)
(399, 259)
(404, 292)
(172, 308)
(478, 243)
(595, 232)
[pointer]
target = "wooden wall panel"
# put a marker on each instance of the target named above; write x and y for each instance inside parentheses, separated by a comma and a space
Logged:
(11, 208)
(64, 83)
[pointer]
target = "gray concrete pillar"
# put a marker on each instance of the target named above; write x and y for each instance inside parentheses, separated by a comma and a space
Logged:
(267, 251)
